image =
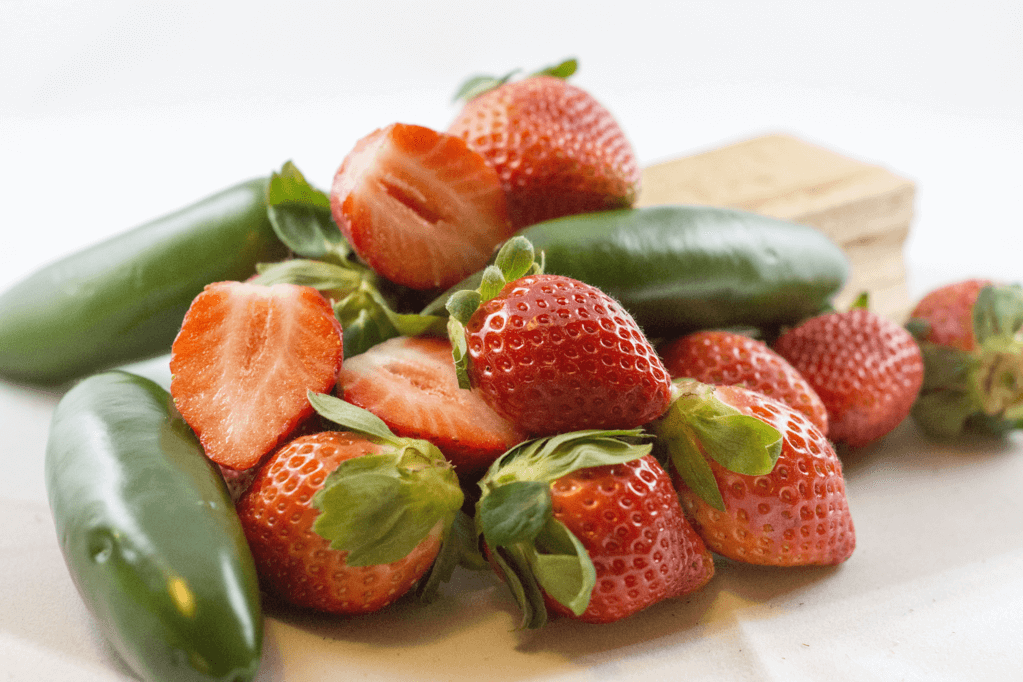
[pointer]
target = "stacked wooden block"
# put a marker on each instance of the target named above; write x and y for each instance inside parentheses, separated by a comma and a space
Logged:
(863, 207)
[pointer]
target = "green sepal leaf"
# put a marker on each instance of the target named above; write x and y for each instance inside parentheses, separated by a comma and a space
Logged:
(563, 70)
(491, 284)
(463, 304)
(998, 312)
(697, 425)
(379, 507)
(459, 352)
(862, 301)
(367, 320)
(515, 259)
(458, 548)
(474, 86)
(337, 280)
(547, 459)
(518, 576)
(514, 513)
(301, 218)
(352, 418)
(562, 567)
(944, 413)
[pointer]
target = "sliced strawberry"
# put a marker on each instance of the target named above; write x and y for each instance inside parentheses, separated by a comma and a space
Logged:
(410, 383)
(418, 206)
(243, 361)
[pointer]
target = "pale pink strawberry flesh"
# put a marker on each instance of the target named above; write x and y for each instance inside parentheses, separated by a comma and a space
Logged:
(419, 207)
(243, 361)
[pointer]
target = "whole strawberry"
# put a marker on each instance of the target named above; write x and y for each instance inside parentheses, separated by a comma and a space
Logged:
(348, 521)
(588, 525)
(759, 481)
(971, 336)
(866, 369)
(729, 358)
(553, 354)
(556, 149)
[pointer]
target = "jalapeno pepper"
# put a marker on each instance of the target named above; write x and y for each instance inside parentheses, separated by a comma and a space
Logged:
(123, 299)
(150, 535)
(682, 268)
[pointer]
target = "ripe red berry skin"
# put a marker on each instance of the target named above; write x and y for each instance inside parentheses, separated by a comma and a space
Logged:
(556, 149)
(727, 358)
(554, 355)
(948, 311)
(797, 515)
(294, 562)
(867, 369)
(629, 519)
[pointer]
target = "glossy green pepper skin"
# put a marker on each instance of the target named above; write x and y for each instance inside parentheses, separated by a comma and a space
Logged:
(682, 268)
(149, 533)
(123, 299)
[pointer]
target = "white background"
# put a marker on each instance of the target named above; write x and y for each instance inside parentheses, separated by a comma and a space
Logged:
(115, 112)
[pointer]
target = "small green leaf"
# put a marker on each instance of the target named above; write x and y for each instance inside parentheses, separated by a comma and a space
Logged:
(458, 548)
(491, 284)
(320, 275)
(515, 258)
(563, 568)
(351, 417)
(463, 304)
(862, 301)
(944, 413)
(474, 86)
(676, 443)
(548, 459)
(521, 581)
(367, 320)
(379, 507)
(562, 70)
(998, 312)
(514, 513)
(738, 442)
(459, 352)
(300, 216)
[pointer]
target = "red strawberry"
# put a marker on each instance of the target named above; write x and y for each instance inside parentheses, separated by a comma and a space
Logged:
(553, 354)
(948, 312)
(243, 361)
(327, 535)
(410, 383)
(722, 357)
(866, 368)
(759, 481)
(418, 206)
(971, 337)
(557, 150)
(588, 525)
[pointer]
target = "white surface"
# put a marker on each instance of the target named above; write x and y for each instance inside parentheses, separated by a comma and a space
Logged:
(112, 113)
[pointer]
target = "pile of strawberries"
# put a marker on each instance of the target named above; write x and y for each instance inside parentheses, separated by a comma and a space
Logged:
(545, 436)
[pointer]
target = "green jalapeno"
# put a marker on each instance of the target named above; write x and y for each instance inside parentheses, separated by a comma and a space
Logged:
(149, 533)
(682, 268)
(123, 299)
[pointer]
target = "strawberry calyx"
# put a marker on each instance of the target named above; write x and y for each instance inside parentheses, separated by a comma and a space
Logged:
(535, 552)
(515, 259)
(474, 86)
(379, 507)
(698, 424)
(981, 389)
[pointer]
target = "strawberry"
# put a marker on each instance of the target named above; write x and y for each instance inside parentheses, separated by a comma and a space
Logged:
(557, 150)
(418, 206)
(243, 361)
(971, 337)
(866, 369)
(348, 521)
(948, 314)
(410, 383)
(553, 354)
(723, 357)
(759, 481)
(588, 525)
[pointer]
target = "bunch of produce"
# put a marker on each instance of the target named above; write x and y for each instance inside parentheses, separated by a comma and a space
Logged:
(472, 351)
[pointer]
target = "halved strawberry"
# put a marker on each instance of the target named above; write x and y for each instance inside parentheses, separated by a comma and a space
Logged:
(410, 383)
(418, 206)
(243, 362)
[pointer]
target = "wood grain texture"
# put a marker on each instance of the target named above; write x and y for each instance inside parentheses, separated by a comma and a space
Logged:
(864, 207)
